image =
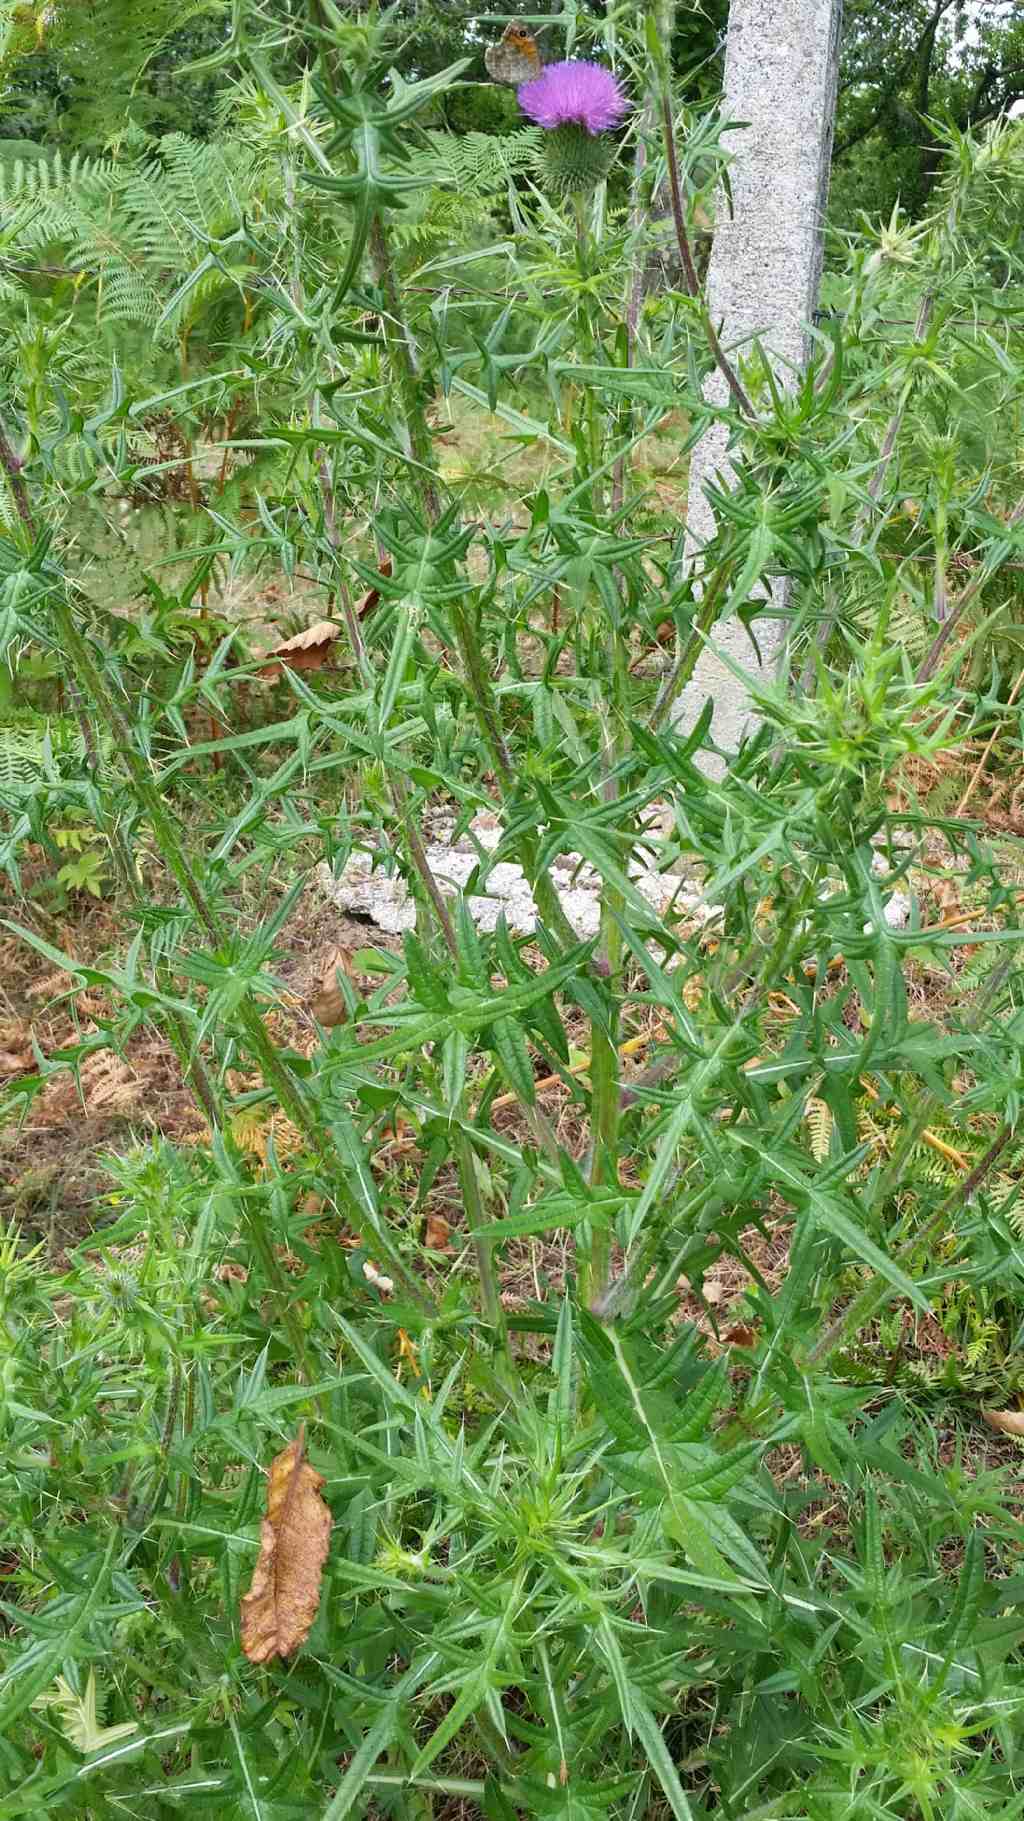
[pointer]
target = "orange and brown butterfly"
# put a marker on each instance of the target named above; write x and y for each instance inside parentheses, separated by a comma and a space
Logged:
(515, 58)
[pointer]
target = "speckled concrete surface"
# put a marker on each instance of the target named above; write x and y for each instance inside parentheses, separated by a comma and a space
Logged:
(781, 69)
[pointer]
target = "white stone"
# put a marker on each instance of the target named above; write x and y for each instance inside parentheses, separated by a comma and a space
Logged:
(895, 910)
(371, 891)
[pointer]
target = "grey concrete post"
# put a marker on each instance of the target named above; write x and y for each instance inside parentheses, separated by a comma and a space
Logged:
(781, 69)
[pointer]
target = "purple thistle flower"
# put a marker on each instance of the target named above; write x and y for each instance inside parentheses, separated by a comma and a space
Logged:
(574, 94)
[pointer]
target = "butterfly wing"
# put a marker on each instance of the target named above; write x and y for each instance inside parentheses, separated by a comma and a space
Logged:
(516, 57)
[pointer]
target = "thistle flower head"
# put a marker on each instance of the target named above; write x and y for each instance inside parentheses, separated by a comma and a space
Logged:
(574, 94)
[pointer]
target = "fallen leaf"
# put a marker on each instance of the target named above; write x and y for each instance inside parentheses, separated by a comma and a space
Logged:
(339, 958)
(1008, 1422)
(110, 1084)
(200, 1135)
(371, 598)
(308, 650)
(436, 1237)
(231, 1272)
(741, 1336)
(49, 985)
(328, 1008)
(15, 1062)
(278, 1611)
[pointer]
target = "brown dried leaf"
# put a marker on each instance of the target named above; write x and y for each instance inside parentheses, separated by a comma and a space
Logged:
(91, 1005)
(110, 1084)
(328, 1006)
(436, 1237)
(741, 1335)
(339, 958)
(308, 650)
(201, 1135)
(371, 598)
(278, 1611)
(16, 1062)
(1008, 1422)
(322, 632)
(48, 985)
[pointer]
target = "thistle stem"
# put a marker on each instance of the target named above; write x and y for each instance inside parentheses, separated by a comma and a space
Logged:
(290, 1095)
(406, 367)
(693, 284)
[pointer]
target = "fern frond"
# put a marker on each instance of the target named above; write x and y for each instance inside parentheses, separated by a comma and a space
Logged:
(478, 164)
(134, 229)
(36, 179)
(34, 747)
(23, 758)
(981, 1342)
(1015, 1216)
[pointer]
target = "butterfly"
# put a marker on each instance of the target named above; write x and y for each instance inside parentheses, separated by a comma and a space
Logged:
(515, 58)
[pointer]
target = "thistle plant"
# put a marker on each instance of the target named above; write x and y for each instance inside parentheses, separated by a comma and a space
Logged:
(576, 103)
(607, 1535)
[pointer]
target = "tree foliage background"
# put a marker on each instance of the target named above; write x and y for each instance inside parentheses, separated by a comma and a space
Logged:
(74, 74)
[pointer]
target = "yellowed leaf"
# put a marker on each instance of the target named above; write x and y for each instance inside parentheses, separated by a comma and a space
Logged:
(253, 1127)
(278, 1611)
(819, 1125)
(288, 1140)
(249, 1131)
(408, 1354)
(1008, 1422)
(200, 1135)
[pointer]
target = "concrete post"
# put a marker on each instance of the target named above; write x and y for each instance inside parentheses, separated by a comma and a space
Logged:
(781, 69)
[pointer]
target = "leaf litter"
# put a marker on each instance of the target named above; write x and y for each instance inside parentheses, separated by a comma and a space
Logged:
(278, 1611)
